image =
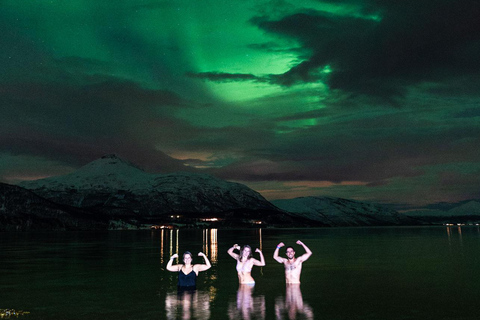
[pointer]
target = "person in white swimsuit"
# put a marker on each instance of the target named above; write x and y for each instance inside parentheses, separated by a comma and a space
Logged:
(245, 262)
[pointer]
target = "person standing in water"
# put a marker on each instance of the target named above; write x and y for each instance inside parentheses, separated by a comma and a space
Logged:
(293, 266)
(188, 272)
(245, 262)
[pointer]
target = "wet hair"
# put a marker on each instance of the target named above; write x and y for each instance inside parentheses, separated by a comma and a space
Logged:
(241, 252)
(189, 253)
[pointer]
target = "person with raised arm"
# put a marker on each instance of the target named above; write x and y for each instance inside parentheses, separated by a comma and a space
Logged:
(188, 272)
(293, 265)
(245, 262)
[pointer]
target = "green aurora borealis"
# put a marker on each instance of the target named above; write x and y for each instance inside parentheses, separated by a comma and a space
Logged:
(367, 100)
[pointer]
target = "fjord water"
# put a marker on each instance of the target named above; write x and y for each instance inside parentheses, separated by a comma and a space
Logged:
(354, 273)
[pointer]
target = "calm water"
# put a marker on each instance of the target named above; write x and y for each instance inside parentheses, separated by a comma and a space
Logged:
(354, 273)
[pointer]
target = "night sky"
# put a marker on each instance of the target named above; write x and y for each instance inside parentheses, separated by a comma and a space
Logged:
(368, 100)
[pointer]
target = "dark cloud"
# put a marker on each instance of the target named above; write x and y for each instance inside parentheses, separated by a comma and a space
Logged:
(413, 41)
(472, 112)
(76, 152)
(83, 109)
(312, 114)
(224, 77)
(274, 47)
(463, 185)
(372, 150)
(245, 140)
(78, 124)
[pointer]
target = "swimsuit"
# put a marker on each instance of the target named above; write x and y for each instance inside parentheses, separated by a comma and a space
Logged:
(187, 280)
(241, 267)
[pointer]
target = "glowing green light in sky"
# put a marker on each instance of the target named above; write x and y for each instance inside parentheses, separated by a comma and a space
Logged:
(326, 69)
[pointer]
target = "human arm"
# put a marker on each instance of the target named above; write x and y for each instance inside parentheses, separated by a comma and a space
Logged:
(275, 253)
(171, 266)
(233, 254)
(260, 263)
(306, 255)
(203, 267)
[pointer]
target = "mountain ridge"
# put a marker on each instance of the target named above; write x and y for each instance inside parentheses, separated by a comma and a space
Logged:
(342, 212)
(121, 191)
(115, 187)
(23, 210)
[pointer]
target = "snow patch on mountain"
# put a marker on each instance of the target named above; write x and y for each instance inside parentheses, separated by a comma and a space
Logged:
(341, 212)
(113, 182)
(470, 208)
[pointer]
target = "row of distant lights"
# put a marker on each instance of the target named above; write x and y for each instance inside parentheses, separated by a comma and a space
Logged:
(460, 224)
(207, 219)
(153, 227)
(213, 219)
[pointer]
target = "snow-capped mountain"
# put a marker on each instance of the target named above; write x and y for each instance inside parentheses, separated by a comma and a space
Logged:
(464, 208)
(22, 210)
(342, 212)
(119, 187)
(471, 208)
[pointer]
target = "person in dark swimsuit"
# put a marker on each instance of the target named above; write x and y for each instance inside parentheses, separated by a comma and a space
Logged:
(188, 272)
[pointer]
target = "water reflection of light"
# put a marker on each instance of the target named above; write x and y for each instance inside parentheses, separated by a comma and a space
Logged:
(187, 305)
(449, 235)
(162, 234)
(205, 244)
(171, 243)
(451, 232)
(247, 306)
(460, 235)
(261, 240)
(176, 239)
(173, 235)
(210, 244)
(213, 293)
(292, 304)
(213, 245)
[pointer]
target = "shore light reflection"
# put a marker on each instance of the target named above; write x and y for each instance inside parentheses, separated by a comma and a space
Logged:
(261, 240)
(210, 244)
(205, 242)
(171, 243)
(162, 234)
(213, 246)
(177, 231)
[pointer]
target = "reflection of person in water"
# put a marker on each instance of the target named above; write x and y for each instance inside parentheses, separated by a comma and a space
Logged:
(188, 305)
(293, 266)
(188, 272)
(247, 307)
(245, 263)
(293, 304)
